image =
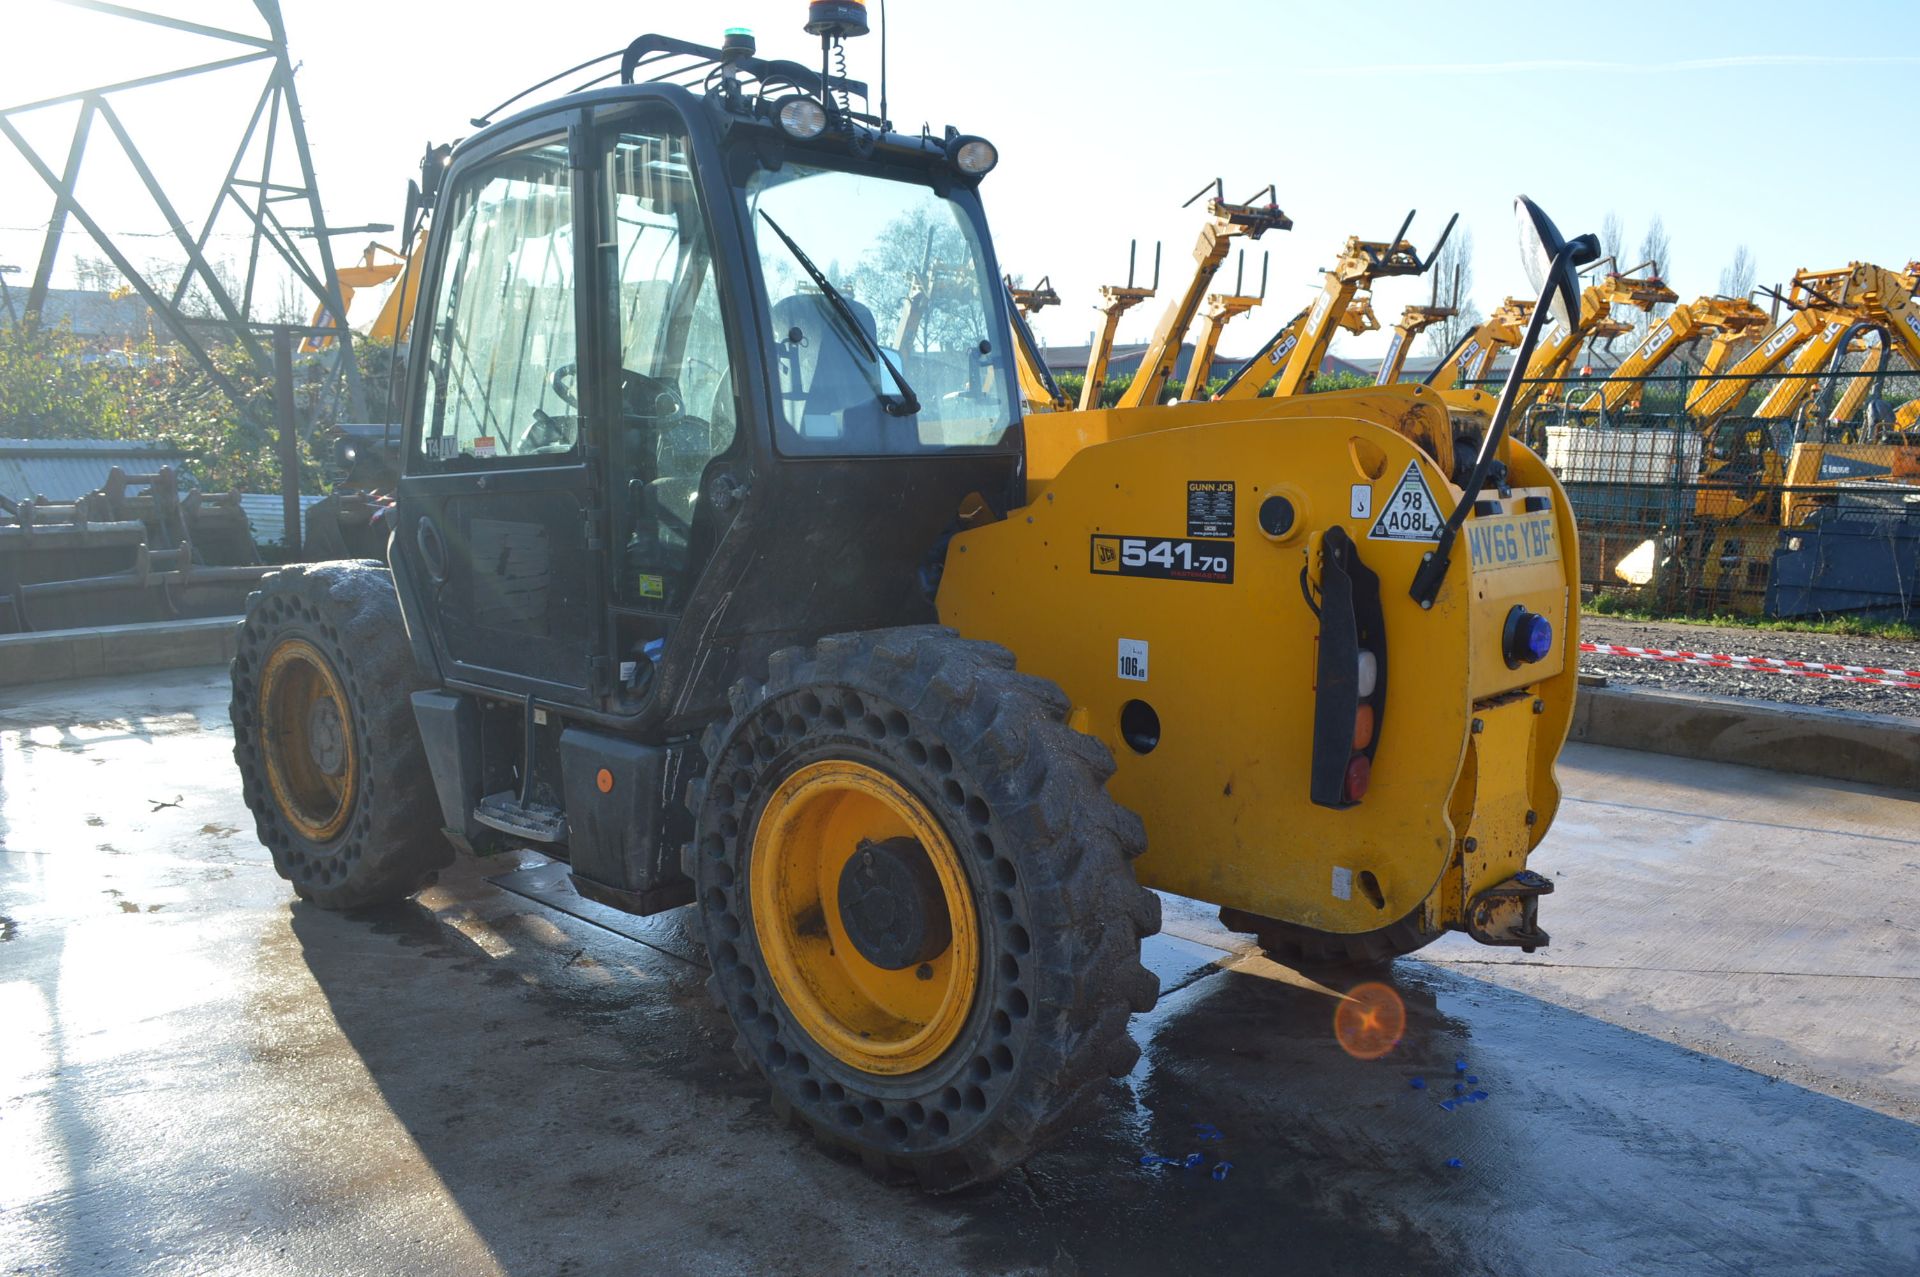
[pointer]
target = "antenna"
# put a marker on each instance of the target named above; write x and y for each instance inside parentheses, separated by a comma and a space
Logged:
(885, 123)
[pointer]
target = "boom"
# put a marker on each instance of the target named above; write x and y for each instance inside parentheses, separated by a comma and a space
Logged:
(1225, 223)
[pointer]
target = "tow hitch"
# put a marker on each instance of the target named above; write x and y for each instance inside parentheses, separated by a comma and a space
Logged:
(1509, 913)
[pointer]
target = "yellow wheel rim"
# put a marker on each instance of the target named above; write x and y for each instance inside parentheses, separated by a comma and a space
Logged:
(306, 734)
(874, 1019)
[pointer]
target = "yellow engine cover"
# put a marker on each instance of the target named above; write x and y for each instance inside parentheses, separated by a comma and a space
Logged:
(1141, 572)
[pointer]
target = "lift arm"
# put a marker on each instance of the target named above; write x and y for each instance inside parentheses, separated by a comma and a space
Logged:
(1472, 354)
(1306, 341)
(1225, 223)
(1561, 346)
(1685, 323)
(1414, 320)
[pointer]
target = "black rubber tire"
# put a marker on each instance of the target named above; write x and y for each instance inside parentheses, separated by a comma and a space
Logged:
(1298, 946)
(392, 844)
(1047, 853)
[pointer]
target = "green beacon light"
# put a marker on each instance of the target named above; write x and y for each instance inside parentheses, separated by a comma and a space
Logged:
(737, 44)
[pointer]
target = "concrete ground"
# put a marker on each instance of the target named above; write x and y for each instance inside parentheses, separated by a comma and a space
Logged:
(1715, 1068)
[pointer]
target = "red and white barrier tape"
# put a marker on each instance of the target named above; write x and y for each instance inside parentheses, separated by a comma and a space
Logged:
(1873, 674)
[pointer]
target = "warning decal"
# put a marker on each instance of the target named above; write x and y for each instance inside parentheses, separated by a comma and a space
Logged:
(1410, 513)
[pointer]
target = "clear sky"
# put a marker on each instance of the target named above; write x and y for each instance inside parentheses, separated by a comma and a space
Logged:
(1786, 126)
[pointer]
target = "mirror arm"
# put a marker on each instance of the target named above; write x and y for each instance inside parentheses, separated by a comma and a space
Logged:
(1433, 566)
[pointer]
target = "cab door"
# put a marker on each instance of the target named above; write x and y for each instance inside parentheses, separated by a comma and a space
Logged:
(499, 508)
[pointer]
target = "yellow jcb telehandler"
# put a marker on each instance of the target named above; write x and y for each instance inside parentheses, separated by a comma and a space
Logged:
(696, 586)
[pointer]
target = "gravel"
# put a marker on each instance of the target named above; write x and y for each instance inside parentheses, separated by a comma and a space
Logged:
(1793, 689)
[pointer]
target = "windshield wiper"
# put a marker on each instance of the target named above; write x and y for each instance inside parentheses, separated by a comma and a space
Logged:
(904, 404)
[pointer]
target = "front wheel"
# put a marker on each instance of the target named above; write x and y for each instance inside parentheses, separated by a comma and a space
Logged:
(330, 759)
(917, 898)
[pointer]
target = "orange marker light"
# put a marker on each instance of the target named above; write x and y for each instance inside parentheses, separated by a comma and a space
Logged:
(604, 781)
(1363, 726)
(1369, 1021)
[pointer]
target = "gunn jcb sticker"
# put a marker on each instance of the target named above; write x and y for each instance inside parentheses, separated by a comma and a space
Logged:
(1166, 558)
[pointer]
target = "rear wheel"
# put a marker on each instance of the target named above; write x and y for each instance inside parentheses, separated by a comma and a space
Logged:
(917, 897)
(1295, 945)
(330, 760)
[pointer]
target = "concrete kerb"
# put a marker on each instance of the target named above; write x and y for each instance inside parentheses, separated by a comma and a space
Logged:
(1871, 749)
(116, 649)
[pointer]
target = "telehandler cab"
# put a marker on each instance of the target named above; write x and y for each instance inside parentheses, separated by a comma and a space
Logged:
(697, 586)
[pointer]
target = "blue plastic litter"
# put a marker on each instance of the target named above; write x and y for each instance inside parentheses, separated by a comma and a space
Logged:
(1448, 1104)
(1455, 1163)
(1478, 1095)
(1459, 1066)
(1193, 1160)
(1472, 1080)
(1154, 1159)
(1418, 1084)
(1220, 1169)
(1207, 1131)
(1459, 1088)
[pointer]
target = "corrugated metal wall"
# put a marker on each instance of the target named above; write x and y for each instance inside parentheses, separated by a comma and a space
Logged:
(68, 469)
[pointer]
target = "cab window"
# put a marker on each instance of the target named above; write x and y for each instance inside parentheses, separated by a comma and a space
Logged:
(920, 307)
(501, 379)
(675, 383)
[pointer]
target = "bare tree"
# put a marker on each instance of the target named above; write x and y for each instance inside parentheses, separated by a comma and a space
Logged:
(293, 305)
(1612, 233)
(197, 302)
(1655, 247)
(1737, 279)
(96, 274)
(1454, 269)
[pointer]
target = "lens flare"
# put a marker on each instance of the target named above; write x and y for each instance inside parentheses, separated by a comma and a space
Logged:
(1369, 1021)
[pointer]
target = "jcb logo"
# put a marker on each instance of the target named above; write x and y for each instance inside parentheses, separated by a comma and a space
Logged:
(1468, 364)
(1106, 554)
(1284, 349)
(1653, 343)
(1780, 337)
(1319, 313)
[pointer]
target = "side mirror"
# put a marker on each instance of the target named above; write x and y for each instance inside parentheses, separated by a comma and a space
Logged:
(1555, 277)
(1552, 263)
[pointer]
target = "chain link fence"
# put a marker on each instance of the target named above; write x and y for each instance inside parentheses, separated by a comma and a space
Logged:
(1811, 515)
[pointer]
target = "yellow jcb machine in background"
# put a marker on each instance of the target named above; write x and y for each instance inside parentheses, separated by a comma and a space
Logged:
(906, 694)
(1294, 354)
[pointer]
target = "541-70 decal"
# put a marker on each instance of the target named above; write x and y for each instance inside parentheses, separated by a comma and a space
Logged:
(1167, 558)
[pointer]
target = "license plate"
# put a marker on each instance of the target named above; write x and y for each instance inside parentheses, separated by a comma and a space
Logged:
(1513, 540)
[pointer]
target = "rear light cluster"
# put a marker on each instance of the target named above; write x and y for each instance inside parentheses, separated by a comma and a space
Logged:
(1365, 724)
(1350, 680)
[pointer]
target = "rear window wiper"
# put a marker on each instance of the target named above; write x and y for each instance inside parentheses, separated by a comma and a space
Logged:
(904, 404)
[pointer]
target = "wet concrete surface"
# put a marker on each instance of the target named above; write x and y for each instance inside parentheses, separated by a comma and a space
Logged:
(1713, 1069)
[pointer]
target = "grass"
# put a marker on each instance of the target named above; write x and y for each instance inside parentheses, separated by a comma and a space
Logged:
(1622, 607)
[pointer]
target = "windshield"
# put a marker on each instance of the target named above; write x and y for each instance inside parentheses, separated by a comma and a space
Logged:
(909, 266)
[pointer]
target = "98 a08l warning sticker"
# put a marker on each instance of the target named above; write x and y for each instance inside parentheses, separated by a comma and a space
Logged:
(1410, 513)
(1166, 558)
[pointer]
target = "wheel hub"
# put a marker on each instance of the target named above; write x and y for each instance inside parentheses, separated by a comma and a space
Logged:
(892, 906)
(864, 917)
(305, 740)
(327, 737)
